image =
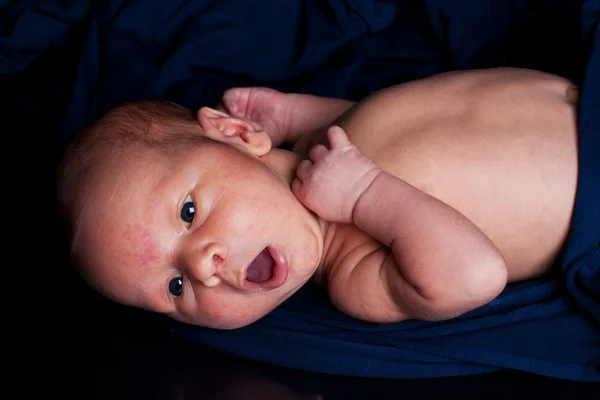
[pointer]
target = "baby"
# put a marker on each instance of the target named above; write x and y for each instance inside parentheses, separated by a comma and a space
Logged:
(420, 202)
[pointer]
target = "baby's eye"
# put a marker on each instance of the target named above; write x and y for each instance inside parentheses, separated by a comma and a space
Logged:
(188, 210)
(176, 286)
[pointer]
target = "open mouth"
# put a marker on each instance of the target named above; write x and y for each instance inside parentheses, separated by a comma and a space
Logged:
(268, 270)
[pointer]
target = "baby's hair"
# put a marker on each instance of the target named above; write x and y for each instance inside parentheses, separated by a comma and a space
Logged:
(153, 124)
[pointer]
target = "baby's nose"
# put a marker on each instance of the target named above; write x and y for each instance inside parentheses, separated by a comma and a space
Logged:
(204, 265)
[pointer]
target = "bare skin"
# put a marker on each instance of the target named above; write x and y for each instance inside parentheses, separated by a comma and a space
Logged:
(497, 149)
(422, 201)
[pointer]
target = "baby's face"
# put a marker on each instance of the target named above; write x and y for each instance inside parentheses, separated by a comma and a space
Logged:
(208, 234)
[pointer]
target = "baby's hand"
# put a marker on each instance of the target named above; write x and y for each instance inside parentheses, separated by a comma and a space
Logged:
(268, 107)
(330, 182)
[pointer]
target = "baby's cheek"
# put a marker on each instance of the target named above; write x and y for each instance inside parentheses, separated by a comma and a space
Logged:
(231, 311)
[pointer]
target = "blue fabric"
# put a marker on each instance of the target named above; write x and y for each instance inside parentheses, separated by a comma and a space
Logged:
(190, 51)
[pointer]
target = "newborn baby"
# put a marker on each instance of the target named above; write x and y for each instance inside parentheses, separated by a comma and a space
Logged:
(420, 202)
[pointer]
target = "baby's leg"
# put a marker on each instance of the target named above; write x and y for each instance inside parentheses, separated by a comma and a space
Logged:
(285, 117)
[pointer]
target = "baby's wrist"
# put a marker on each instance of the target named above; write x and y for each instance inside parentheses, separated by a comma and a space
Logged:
(368, 186)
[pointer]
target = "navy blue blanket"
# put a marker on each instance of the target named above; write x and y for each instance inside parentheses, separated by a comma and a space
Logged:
(190, 51)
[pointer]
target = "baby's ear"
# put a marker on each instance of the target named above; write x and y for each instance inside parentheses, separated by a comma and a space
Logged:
(222, 127)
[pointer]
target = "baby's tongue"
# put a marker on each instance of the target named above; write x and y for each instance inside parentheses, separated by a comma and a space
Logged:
(261, 269)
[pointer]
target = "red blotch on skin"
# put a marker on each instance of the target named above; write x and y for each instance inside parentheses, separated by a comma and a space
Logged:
(150, 252)
(127, 232)
(141, 248)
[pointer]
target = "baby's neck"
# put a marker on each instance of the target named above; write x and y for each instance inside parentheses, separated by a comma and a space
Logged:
(283, 163)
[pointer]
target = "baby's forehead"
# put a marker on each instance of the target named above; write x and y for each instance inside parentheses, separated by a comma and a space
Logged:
(142, 169)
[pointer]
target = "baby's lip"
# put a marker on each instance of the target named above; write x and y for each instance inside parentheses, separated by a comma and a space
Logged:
(279, 273)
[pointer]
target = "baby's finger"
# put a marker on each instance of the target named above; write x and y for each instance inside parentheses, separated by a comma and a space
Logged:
(317, 152)
(303, 169)
(231, 99)
(297, 188)
(337, 137)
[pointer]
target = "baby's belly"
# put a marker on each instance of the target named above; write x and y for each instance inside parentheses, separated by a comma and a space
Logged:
(499, 146)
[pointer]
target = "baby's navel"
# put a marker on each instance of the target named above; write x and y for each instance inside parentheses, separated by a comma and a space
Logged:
(573, 95)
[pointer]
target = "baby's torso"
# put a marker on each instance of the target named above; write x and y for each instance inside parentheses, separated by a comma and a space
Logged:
(497, 145)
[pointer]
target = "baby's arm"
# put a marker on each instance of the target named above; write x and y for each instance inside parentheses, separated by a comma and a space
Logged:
(286, 117)
(442, 264)
(311, 115)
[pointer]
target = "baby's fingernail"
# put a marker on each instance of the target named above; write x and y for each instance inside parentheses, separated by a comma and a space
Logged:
(573, 94)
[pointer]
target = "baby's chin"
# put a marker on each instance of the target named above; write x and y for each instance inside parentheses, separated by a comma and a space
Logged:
(238, 318)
